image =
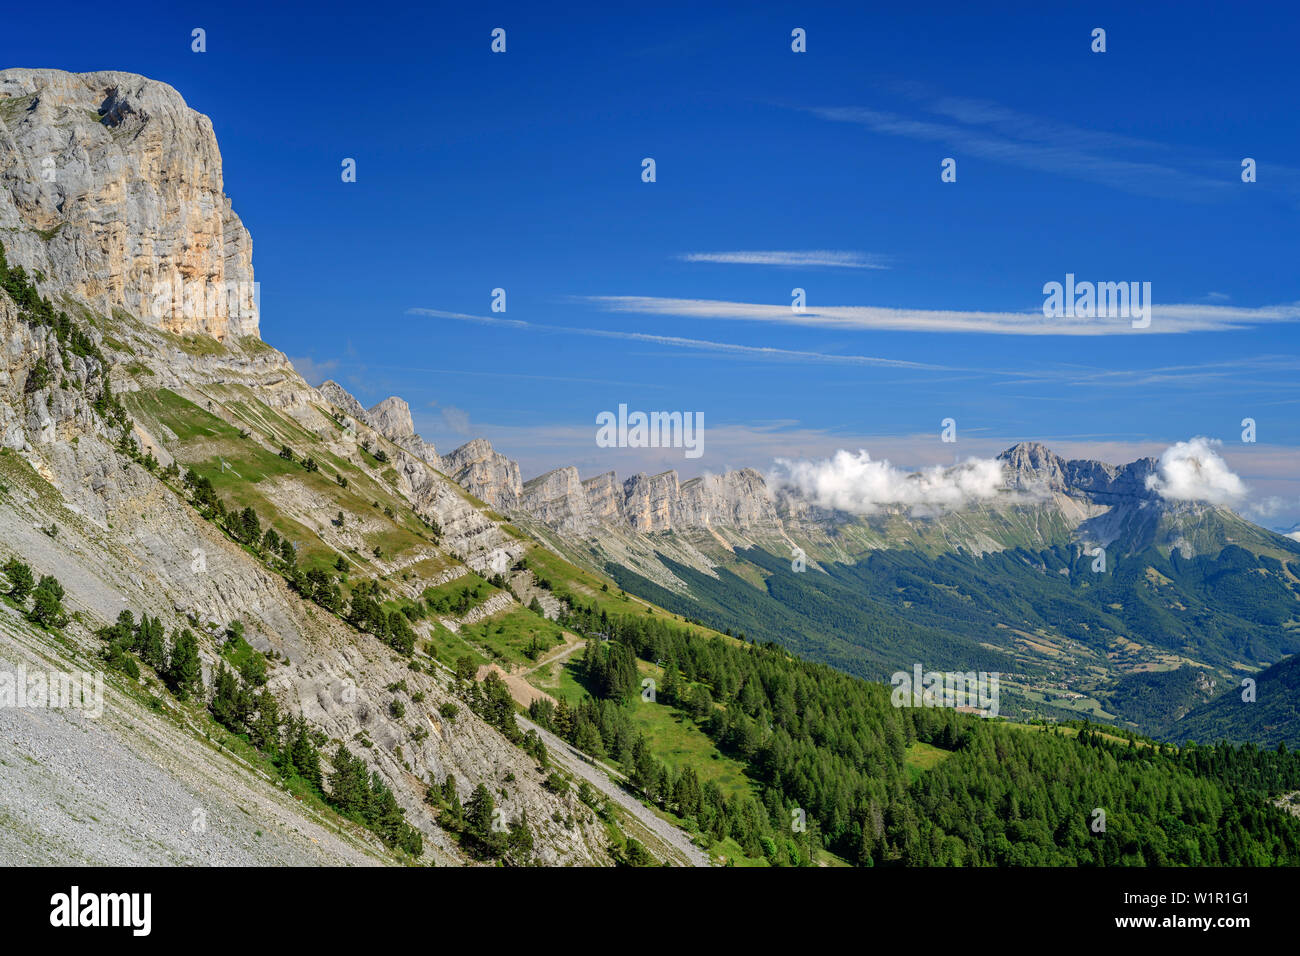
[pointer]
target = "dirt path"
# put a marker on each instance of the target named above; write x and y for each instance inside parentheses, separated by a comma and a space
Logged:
(523, 692)
(564, 653)
(674, 839)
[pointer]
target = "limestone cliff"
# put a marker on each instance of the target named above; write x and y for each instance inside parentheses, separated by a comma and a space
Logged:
(485, 473)
(392, 419)
(111, 186)
(558, 499)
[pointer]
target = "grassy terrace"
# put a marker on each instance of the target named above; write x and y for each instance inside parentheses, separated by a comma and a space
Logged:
(507, 636)
(245, 474)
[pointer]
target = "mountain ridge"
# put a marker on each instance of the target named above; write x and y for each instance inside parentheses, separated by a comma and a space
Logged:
(1103, 502)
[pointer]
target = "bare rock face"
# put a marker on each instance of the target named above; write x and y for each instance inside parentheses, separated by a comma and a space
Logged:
(111, 186)
(338, 396)
(737, 499)
(559, 499)
(392, 418)
(649, 501)
(604, 498)
(485, 473)
(55, 411)
(1030, 466)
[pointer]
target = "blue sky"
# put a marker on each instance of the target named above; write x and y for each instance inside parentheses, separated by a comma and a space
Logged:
(522, 171)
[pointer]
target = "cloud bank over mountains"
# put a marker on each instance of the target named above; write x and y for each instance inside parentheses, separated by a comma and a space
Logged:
(853, 482)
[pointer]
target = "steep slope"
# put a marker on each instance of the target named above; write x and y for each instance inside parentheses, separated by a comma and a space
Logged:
(181, 469)
(127, 540)
(1267, 717)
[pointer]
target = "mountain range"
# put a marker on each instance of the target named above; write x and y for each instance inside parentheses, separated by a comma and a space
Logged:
(386, 644)
(706, 546)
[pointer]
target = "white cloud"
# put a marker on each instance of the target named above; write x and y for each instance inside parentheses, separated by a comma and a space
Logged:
(764, 353)
(833, 258)
(1000, 135)
(1194, 471)
(1173, 318)
(854, 483)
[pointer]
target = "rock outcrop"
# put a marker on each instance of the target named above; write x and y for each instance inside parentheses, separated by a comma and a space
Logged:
(604, 496)
(111, 187)
(485, 473)
(338, 396)
(649, 501)
(738, 499)
(392, 418)
(1033, 467)
(559, 499)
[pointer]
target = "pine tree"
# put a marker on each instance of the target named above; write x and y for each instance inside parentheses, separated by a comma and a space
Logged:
(184, 672)
(305, 758)
(20, 579)
(151, 644)
(520, 839)
(478, 812)
(249, 528)
(228, 700)
(47, 606)
(265, 729)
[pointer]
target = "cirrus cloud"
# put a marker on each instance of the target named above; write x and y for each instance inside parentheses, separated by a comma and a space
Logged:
(831, 258)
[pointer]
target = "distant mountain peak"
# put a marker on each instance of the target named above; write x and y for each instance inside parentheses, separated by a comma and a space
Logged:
(1034, 466)
(392, 418)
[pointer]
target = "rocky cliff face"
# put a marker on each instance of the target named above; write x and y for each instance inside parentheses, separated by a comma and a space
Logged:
(604, 496)
(485, 473)
(133, 198)
(111, 186)
(392, 418)
(738, 499)
(649, 503)
(1033, 467)
(559, 499)
(338, 396)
